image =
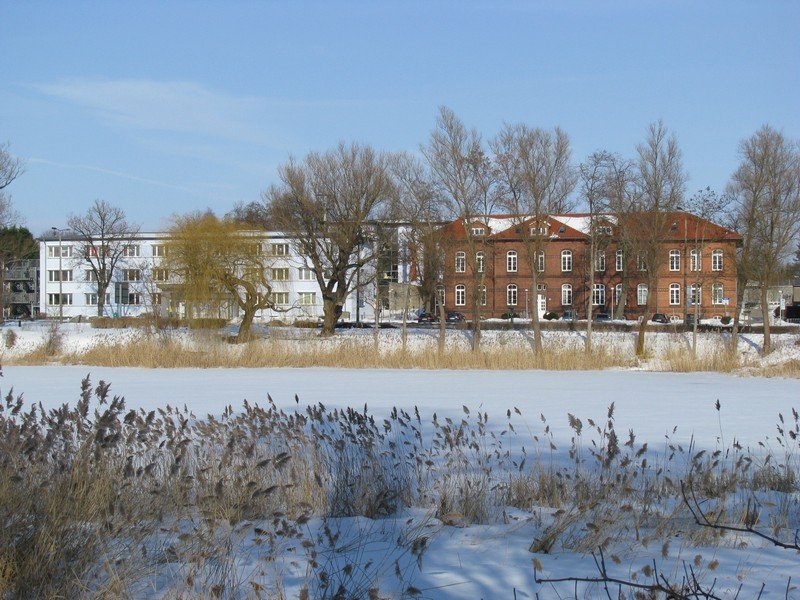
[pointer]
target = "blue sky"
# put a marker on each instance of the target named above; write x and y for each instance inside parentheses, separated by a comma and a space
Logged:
(168, 107)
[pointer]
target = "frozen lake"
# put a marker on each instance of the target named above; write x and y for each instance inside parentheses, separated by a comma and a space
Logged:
(649, 403)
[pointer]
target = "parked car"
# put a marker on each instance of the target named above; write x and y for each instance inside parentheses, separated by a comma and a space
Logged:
(455, 317)
(602, 316)
(660, 318)
(569, 315)
(426, 317)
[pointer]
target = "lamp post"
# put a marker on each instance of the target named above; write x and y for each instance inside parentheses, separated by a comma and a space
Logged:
(60, 278)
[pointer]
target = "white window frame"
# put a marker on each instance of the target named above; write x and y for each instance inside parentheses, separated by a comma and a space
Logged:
(674, 260)
(66, 299)
(599, 294)
(279, 298)
(540, 261)
(618, 294)
(159, 250)
(480, 261)
(695, 260)
(717, 261)
(482, 296)
(64, 276)
(279, 249)
(566, 261)
(512, 294)
(90, 275)
(538, 231)
(305, 274)
(717, 294)
(461, 295)
(131, 275)
(279, 274)
(600, 261)
(160, 274)
(566, 295)
(641, 294)
(478, 231)
(66, 251)
(461, 262)
(691, 299)
(132, 251)
(511, 261)
(307, 298)
(674, 294)
(619, 263)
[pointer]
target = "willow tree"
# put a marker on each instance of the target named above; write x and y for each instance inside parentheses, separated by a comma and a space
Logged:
(212, 261)
(325, 204)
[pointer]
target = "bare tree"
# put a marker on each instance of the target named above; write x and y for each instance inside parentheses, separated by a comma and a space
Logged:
(766, 188)
(420, 207)
(661, 180)
(10, 169)
(536, 180)
(465, 180)
(105, 237)
(325, 204)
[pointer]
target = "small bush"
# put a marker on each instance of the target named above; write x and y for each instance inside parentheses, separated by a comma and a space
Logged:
(509, 315)
(726, 320)
(551, 316)
(10, 338)
(305, 324)
(207, 323)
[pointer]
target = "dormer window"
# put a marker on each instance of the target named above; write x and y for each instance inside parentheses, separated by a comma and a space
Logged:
(604, 230)
(478, 231)
(538, 231)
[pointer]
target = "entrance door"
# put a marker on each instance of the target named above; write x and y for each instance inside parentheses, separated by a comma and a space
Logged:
(541, 304)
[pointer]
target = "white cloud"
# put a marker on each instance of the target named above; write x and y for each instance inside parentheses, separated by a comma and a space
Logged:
(171, 106)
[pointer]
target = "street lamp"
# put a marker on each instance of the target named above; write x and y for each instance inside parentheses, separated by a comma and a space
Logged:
(57, 231)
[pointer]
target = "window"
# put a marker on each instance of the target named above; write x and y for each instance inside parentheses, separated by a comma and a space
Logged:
(511, 295)
(440, 296)
(281, 274)
(604, 230)
(482, 295)
(91, 299)
(717, 295)
(134, 298)
(511, 261)
(95, 251)
(695, 260)
(53, 251)
(674, 260)
(540, 261)
(618, 294)
(716, 260)
(159, 250)
(461, 295)
(305, 274)
(478, 231)
(620, 261)
(279, 298)
(63, 275)
(156, 298)
(538, 231)
(566, 295)
(694, 294)
(674, 294)
(160, 275)
(89, 275)
(480, 261)
(600, 261)
(461, 262)
(566, 260)
(641, 294)
(641, 262)
(599, 295)
(131, 275)
(131, 250)
(280, 250)
(63, 300)
(307, 298)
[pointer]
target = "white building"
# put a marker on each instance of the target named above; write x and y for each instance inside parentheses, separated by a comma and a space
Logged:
(140, 285)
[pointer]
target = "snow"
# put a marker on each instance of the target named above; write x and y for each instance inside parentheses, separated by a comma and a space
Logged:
(490, 560)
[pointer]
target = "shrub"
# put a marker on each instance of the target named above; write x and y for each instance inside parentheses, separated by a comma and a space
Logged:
(305, 324)
(509, 315)
(726, 320)
(551, 316)
(207, 323)
(10, 338)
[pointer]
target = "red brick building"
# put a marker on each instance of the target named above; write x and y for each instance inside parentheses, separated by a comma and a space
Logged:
(488, 264)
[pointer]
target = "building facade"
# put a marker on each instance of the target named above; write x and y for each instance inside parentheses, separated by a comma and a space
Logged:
(141, 284)
(489, 265)
(21, 289)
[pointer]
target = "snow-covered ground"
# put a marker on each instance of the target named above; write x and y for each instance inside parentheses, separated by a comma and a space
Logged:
(489, 560)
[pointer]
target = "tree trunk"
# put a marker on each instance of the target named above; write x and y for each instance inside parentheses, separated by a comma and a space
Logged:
(696, 318)
(331, 312)
(588, 345)
(737, 310)
(765, 313)
(246, 325)
(537, 328)
(404, 335)
(623, 298)
(442, 329)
